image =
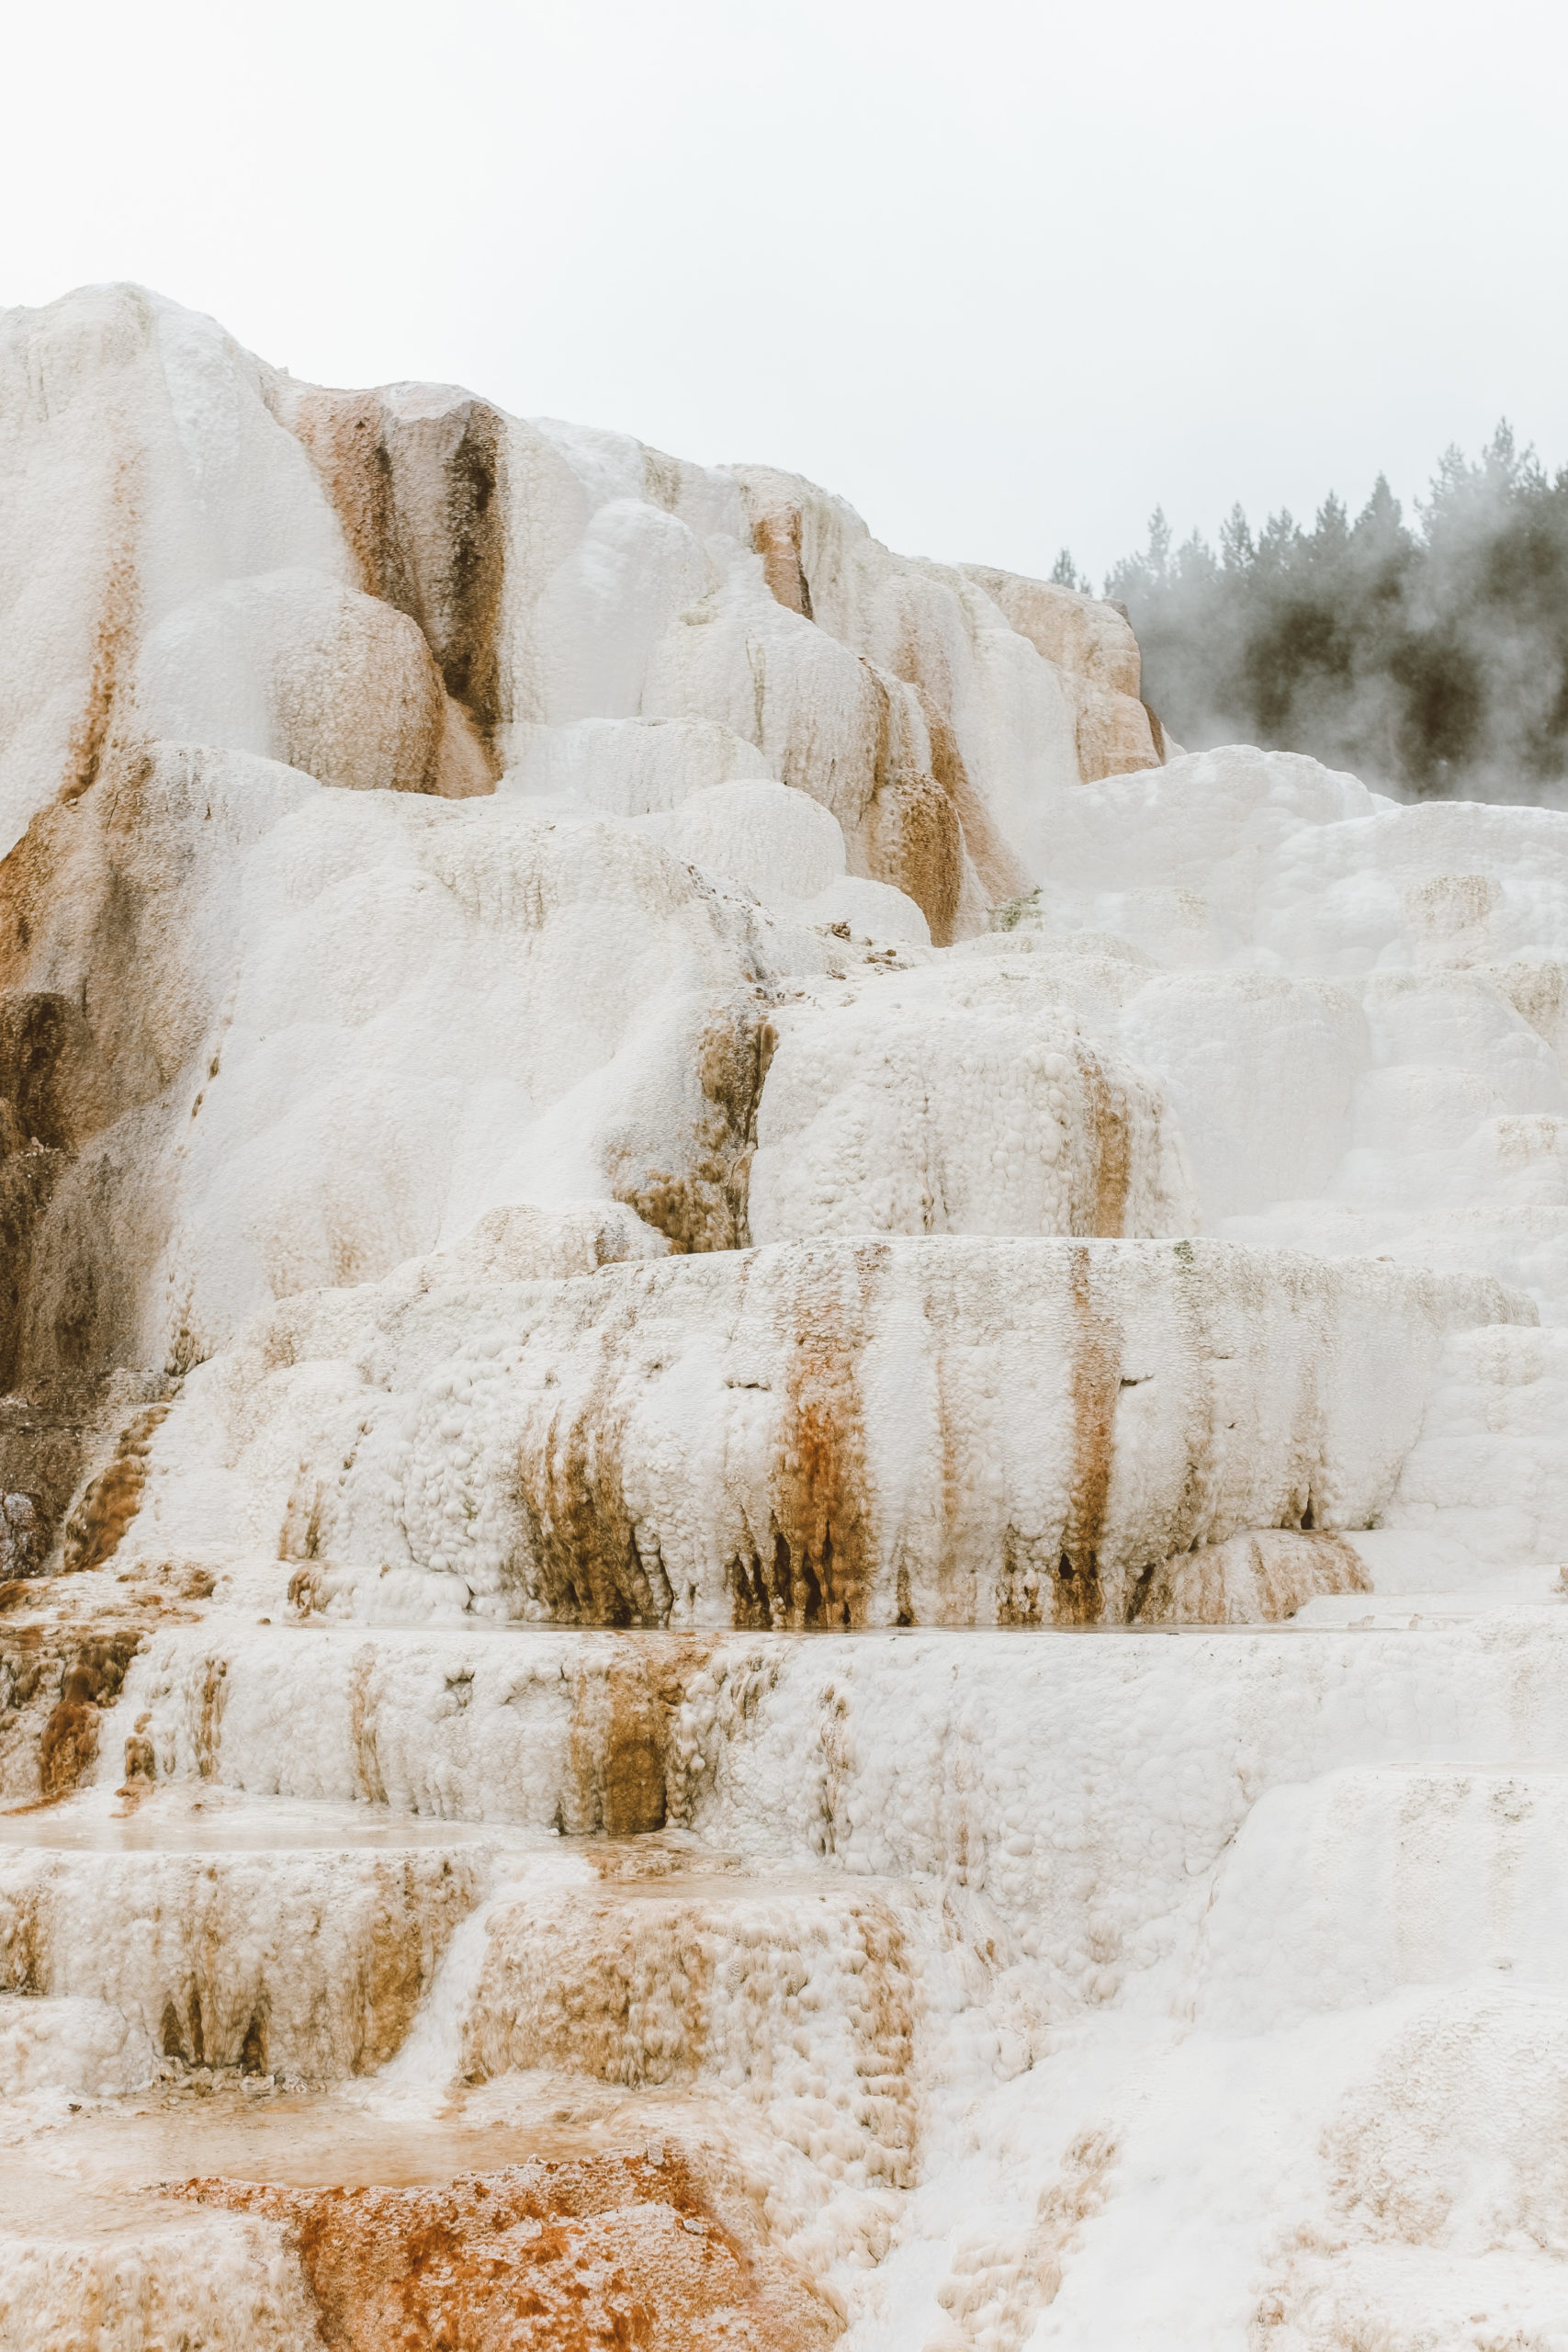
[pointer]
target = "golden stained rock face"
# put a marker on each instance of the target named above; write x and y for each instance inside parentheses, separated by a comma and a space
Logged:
(548, 2255)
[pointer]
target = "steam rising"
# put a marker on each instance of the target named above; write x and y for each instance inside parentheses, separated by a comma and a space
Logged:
(1432, 662)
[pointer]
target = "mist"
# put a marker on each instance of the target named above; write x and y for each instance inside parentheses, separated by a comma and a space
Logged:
(1428, 655)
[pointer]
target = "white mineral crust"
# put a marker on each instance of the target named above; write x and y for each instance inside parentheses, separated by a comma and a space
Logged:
(784, 1402)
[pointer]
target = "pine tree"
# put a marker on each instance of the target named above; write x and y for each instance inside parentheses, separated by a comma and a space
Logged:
(1433, 659)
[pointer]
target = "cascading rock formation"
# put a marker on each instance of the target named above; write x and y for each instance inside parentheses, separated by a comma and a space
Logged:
(783, 1456)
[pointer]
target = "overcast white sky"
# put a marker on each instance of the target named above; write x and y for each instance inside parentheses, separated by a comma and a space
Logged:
(1005, 275)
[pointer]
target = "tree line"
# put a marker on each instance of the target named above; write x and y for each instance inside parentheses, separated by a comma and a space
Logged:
(1430, 657)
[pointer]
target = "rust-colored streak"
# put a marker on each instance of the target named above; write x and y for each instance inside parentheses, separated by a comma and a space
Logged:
(26, 1180)
(913, 835)
(887, 2108)
(370, 1787)
(543, 2258)
(955, 1582)
(1111, 1143)
(469, 653)
(53, 1689)
(703, 1204)
(423, 503)
(1002, 872)
(776, 536)
(1021, 1598)
(345, 434)
(92, 1682)
(209, 1722)
(111, 1502)
(39, 1040)
(815, 1568)
(73, 1058)
(584, 1543)
(113, 645)
(40, 1030)
(1079, 1598)
(916, 843)
(995, 2300)
(407, 1938)
(615, 1751)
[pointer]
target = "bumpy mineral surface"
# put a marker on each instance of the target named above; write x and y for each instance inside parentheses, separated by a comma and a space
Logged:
(783, 1464)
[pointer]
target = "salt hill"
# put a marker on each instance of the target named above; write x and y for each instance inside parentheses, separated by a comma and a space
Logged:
(782, 1453)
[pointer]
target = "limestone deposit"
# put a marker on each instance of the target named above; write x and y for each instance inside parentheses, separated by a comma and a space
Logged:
(783, 1492)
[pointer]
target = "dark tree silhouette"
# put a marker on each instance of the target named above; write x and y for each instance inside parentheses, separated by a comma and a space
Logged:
(1431, 661)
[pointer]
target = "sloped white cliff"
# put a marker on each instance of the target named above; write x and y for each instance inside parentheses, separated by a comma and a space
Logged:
(782, 1466)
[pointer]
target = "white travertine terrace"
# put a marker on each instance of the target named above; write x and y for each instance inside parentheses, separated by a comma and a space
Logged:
(782, 1475)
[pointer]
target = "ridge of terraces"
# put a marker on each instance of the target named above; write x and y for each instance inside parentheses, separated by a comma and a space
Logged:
(783, 1464)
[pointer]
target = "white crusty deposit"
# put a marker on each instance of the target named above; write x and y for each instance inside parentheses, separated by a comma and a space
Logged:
(782, 1481)
(962, 1433)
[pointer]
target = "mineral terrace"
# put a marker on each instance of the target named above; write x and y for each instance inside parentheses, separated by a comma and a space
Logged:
(783, 1449)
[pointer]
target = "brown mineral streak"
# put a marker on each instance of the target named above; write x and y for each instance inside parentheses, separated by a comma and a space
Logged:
(113, 641)
(227, 2004)
(38, 1033)
(813, 1564)
(955, 1572)
(703, 1204)
(914, 837)
(1112, 1146)
(921, 825)
(93, 1680)
(370, 1786)
(590, 1563)
(581, 1538)
(918, 845)
(75, 1057)
(34, 1660)
(407, 1939)
(444, 566)
(208, 1731)
(1002, 873)
(776, 536)
(1080, 1599)
(111, 1502)
(24, 1966)
(607, 2251)
(615, 1750)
